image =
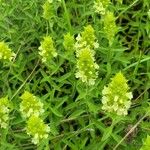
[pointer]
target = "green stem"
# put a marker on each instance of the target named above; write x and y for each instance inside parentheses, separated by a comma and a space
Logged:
(67, 16)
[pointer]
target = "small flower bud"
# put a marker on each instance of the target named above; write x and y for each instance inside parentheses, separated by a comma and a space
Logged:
(47, 49)
(110, 28)
(100, 6)
(68, 42)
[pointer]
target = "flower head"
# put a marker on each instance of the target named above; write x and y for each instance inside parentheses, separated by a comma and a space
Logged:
(30, 105)
(86, 66)
(110, 28)
(47, 49)
(116, 97)
(100, 6)
(87, 38)
(5, 52)
(37, 129)
(68, 42)
(48, 9)
(4, 112)
(146, 144)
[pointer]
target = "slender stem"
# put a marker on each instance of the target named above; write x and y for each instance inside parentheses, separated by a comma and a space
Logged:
(67, 16)
(132, 129)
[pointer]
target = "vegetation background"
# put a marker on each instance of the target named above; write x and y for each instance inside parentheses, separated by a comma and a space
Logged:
(73, 110)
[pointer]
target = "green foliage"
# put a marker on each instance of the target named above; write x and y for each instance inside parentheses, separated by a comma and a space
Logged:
(99, 38)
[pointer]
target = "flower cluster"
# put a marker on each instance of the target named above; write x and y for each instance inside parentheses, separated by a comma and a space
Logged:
(37, 129)
(48, 10)
(110, 28)
(87, 67)
(30, 105)
(68, 42)
(100, 6)
(4, 112)
(87, 38)
(31, 108)
(116, 97)
(47, 49)
(146, 144)
(5, 52)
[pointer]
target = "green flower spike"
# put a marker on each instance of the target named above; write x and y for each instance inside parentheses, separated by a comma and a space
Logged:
(110, 28)
(30, 105)
(100, 6)
(116, 97)
(4, 112)
(5, 52)
(47, 49)
(48, 10)
(86, 66)
(86, 39)
(68, 42)
(37, 129)
(146, 144)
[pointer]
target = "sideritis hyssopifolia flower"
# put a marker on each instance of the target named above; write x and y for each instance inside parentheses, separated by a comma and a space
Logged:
(68, 42)
(48, 10)
(5, 52)
(116, 97)
(37, 129)
(30, 105)
(4, 112)
(110, 28)
(87, 38)
(47, 49)
(86, 66)
(100, 6)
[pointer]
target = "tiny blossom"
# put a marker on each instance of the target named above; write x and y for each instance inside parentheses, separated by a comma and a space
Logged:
(47, 49)
(5, 52)
(146, 144)
(30, 104)
(100, 6)
(87, 38)
(48, 9)
(4, 112)
(116, 97)
(37, 129)
(110, 28)
(86, 66)
(68, 42)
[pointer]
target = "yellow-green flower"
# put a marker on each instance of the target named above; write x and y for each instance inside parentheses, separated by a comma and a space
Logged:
(110, 28)
(37, 129)
(47, 49)
(30, 105)
(5, 52)
(100, 6)
(68, 42)
(146, 144)
(116, 97)
(4, 112)
(87, 38)
(86, 66)
(48, 10)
